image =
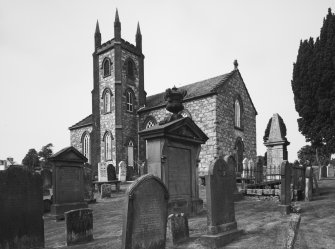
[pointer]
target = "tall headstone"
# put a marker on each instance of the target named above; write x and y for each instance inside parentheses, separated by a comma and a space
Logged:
(102, 172)
(285, 190)
(309, 184)
(88, 186)
(145, 216)
(21, 209)
(111, 172)
(79, 226)
(259, 169)
(173, 149)
(46, 178)
(276, 142)
(330, 170)
(231, 162)
(251, 168)
(68, 181)
(178, 224)
(221, 223)
(245, 168)
(122, 171)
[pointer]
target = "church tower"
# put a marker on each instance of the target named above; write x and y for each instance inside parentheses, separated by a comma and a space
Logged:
(118, 92)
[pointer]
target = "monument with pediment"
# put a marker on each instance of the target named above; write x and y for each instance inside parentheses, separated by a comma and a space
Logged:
(68, 181)
(172, 154)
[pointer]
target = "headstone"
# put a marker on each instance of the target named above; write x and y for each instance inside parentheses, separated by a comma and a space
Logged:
(222, 226)
(111, 173)
(102, 172)
(145, 217)
(46, 178)
(68, 181)
(330, 170)
(178, 224)
(245, 168)
(21, 209)
(324, 171)
(231, 162)
(122, 171)
(106, 190)
(251, 168)
(285, 191)
(259, 169)
(309, 184)
(88, 186)
(79, 226)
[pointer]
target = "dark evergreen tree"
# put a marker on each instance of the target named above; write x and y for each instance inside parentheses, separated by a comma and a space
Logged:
(313, 85)
(44, 155)
(307, 153)
(31, 160)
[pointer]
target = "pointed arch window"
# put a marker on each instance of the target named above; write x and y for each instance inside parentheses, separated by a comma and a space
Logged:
(130, 69)
(106, 66)
(130, 101)
(86, 144)
(108, 146)
(107, 100)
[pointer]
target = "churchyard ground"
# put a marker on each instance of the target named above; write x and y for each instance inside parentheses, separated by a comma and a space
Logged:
(262, 224)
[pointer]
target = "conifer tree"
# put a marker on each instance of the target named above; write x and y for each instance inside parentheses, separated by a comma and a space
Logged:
(313, 85)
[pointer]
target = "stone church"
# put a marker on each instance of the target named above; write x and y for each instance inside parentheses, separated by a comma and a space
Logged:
(221, 106)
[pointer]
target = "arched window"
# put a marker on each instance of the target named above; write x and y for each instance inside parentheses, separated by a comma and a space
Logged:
(149, 122)
(130, 69)
(131, 154)
(130, 101)
(107, 100)
(106, 65)
(237, 113)
(86, 146)
(108, 146)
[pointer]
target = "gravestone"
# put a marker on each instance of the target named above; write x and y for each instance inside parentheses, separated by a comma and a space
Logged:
(324, 171)
(178, 226)
(102, 172)
(46, 178)
(21, 209)
(245, 168)
(79, 226)
(111, 173)
(145, 217)
(330, 170)
(309, 184)
(122, 171)
(285, 189)
(276, 142)
(221, 223)
(106, 190)
(68, 181)
(231, 162)
(259, 169)
(88, 186)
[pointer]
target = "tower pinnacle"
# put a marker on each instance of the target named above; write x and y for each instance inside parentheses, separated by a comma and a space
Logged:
(138, 38)
(97, 36)
(117, 26)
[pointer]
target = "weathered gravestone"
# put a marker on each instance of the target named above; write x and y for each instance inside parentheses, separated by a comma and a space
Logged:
(68, 181)
(309, 183)
(46, 178)
(221, 223)
(21, 209)
(106, 190)
(102, 172)
(259, 169)
(145, 217)
(111, 173)
(285, 190)
(231, 162)
(330, 170)
(122, 171)
(178, 224)
(88, 186)
(324, 171)
(79, 226)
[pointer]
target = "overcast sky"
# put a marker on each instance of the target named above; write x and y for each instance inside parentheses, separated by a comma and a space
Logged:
(46, 57)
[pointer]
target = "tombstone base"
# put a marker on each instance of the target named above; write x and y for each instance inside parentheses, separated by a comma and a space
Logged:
(188, 207)
(219, 240)
(58, 210)
(285, 209)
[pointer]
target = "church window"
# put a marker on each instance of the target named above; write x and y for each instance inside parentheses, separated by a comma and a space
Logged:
(86, 146)
(237, 114)
(130, 69)
(108, 146)
(106, 67)
(150, 122)
(130, 101)
(131, 154)
(107, 101)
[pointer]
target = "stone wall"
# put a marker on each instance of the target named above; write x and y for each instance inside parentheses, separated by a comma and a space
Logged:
(76, 136)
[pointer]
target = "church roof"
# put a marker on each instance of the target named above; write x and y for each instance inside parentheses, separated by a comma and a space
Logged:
(82, 123)
(198, 89)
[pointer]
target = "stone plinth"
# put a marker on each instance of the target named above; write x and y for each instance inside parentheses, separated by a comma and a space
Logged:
(68, 181)
(172, 155)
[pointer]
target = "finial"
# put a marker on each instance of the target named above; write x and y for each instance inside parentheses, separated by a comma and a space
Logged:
(97, 29)
(117, 16)
(138, 32)
(235, 65)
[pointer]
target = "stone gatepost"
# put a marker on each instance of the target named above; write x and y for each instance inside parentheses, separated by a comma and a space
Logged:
(285, 190)
(173, 149)
(309, 183)
(276, 142)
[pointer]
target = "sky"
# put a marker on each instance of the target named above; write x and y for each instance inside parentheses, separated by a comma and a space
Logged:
(46, 48)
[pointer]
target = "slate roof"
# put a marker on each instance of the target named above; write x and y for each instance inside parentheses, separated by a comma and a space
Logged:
(84, 122)
(197, 89)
